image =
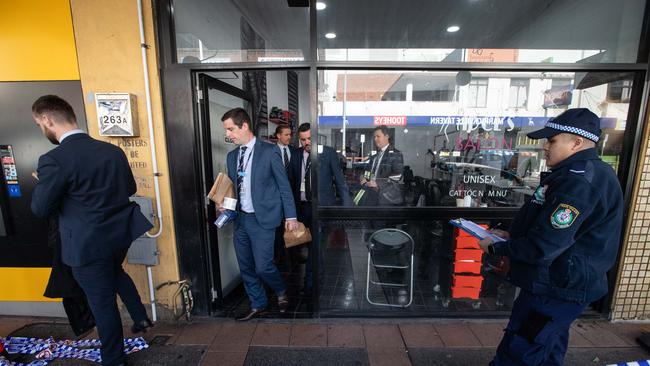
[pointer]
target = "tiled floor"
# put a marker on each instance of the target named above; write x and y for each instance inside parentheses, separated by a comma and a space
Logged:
(387, 342)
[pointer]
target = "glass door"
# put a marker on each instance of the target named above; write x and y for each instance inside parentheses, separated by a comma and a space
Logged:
(216, 97)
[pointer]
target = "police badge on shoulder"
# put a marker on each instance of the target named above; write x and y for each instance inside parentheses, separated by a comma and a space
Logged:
(564, 216)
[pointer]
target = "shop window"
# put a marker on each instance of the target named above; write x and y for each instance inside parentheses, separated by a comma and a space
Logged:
(445, 154)
(518, 93)
(619, 91)
(477, 93)
(449, 273)
(594, 31)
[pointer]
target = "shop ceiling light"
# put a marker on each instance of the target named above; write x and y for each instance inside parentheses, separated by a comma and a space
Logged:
(330, 35)
(320, 5)
(453, 29)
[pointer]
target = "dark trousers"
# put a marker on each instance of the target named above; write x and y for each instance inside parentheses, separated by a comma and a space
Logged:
(254, 250)
(538, 331)
(101, 281)
(305, 216)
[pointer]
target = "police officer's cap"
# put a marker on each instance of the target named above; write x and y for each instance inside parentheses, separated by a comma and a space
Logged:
(577, 121)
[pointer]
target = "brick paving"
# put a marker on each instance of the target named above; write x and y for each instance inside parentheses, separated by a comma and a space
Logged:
(386, 341)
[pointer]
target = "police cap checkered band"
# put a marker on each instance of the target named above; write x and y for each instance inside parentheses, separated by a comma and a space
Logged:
(577, 121)
(573, 130)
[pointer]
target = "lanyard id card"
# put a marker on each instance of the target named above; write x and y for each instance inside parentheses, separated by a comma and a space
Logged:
(367, 174)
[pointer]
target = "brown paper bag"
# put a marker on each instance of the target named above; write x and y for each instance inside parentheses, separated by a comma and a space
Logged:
(223, 190)
(299, 236)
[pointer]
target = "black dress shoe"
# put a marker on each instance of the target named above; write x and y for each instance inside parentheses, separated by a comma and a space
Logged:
(283, 303)
(141, 326)
(251, 314)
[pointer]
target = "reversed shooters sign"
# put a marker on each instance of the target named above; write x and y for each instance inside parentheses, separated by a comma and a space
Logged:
(117, 114)
(564, 216)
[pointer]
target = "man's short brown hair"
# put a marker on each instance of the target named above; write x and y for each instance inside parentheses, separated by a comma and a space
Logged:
(304, 127)
(239, 116)
(278, 130)
(383, 129)
(56, 107)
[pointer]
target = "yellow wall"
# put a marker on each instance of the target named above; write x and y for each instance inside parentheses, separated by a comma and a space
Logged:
(37, 41)
(109, 56)
(24, 284)
(97, 42)
(632, 292)
(36, 44)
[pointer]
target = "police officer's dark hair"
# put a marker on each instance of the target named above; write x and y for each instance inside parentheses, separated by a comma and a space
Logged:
(239, 116)
(278, 130)
(383, 130)
(56, 107)
(304, 127)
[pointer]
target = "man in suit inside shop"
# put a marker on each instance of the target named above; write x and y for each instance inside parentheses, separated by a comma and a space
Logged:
(88, 182)
(264, 199)
(383, 172)
(330, 176)
(283, 135)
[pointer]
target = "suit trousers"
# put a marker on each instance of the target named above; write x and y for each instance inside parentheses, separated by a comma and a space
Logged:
(101, 280)
(305, 216)
(538, 331)
(254, 250)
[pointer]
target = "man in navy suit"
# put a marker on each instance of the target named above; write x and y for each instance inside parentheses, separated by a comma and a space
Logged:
(264, 199)
(330, 176)
(88, 183)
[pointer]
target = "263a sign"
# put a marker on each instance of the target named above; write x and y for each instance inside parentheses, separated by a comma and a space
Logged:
(116, 114)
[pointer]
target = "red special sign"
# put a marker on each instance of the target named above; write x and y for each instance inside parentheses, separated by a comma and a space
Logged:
(390, 121)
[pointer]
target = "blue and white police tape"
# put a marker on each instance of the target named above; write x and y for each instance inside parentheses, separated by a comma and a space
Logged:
(633, 363)
(46, 350)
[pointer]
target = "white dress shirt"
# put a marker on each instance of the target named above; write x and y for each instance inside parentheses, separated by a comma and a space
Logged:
(377, 162)
(246, 199)
(69, 133)
(284, 147)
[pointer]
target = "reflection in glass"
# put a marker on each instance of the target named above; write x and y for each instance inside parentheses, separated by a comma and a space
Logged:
(222, 31)
(363, 272)
(561, 31)
(464, 144)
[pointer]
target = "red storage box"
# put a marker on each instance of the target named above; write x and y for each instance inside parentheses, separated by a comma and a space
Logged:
(467, 242)
(466, 292)
(462, 233)
(468, 281)
(468, 255)
(467, 267)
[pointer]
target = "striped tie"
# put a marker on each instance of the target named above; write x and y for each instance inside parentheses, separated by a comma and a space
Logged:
(240, 171)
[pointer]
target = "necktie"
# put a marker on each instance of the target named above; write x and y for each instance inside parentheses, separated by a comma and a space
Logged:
(285, 156)
(308, 180)
(240, 171)
(375, 164)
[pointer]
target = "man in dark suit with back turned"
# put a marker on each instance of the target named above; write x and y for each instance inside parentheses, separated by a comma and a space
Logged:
(263, 200)
(330, 175)
(88, 182)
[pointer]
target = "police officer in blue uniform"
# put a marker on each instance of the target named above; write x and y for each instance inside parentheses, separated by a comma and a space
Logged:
(561, 243)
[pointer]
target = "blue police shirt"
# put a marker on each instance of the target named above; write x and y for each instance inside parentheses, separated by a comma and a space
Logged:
(565, 239)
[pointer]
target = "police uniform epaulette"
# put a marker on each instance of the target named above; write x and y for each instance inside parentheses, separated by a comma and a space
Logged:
(578, 167)
(583, 168)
